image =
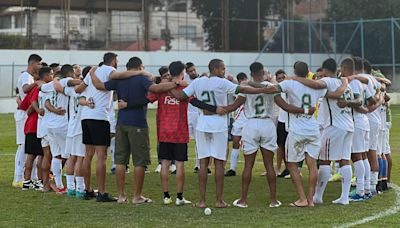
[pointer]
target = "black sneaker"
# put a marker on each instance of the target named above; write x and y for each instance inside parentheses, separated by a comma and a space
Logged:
(173, 172)
(230, 173)
(27, 185)
(104, 198)
(89, 195)
(284, 173)
(385, 185)
(196, 169)
(379, 186)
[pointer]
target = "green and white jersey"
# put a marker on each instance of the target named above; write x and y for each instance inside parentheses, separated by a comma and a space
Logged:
(339, 117)
(42, 126)
(259, 105)
(359, 91)
(300, 95)
(372, 87)
(74, 122)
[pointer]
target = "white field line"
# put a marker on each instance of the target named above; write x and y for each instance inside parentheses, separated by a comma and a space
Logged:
(390, 211)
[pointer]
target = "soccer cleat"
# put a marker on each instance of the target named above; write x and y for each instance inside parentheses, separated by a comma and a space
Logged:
(17, 184)
(287, 176)
(209, 171)
(71, 192)
(230, 173)
(127, 169)
(352, 192)
(146, 170)
(104, 198)
(356, 198)
(181, 202)
(368, 196)
(158, 169)
(112, 170)
(60, 190)
(282, 174)
(335, 178)
(38, 185)
(167, 200)
(385, 185)
(172, 168)
(79, 195)
(174, 172)
(26, 185)
(89, 195)
(196, 169)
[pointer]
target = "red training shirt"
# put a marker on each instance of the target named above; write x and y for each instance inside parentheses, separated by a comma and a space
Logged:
(31, 121)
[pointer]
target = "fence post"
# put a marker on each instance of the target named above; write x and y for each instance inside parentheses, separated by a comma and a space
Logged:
(283, 43)
(309, 43)
(12, 78)
(393, 51)
(334, 37)
(362, 37)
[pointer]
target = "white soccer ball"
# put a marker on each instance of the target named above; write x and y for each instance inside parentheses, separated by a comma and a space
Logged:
(207, 211)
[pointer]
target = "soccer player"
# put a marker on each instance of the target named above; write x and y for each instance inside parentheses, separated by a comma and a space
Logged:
(24, 85)
(236, 132)
(212, 130)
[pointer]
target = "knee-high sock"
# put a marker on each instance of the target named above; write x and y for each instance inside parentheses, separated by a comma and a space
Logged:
(324, 173)
(384, 169)
(20, 157)
(112, 152)
(80, 184)
(234, 158)
(374, 180)
(56, 168)
(359, 170)
(70, 182)
(347, 173)
(367, 180)
(34, 175)
(380, 168)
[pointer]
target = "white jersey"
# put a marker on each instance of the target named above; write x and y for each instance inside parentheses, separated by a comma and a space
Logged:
(213, 91)
(42, 125)
(372, 87)
(339, 117)
(57, 100)
(259, 105)
(101, 99)
(300, 95)
(283, 115)
(24, 79)
(360, 119)
(74, 114)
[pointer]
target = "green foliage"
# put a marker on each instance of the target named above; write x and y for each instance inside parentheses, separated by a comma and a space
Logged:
(12, 42)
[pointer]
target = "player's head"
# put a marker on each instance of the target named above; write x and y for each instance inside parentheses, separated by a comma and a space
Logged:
(347, 67)
(164, 74)
(176, 69)
(34, 63)
(46, 74)
(191, 70)
(300, 69)
(241, 77)
(257, 69)
(217, 68)
(358, 65)
(67, 71)
(280, 75)
(329, 67)
(367, 66)
(44, 64)
(134, 63)
(110, 59)
(55, 67)
(77, 70)
(85, 71)
(320, 73)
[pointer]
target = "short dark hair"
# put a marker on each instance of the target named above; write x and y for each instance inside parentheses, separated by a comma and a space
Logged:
(367, 66)
(85, 71)
(35, 58)
(256, 67)
(162, 70)
(358, 63)
(348, 63)
(280, 71)
(44, 64)
(157, 80)
(241, 76)
(100, 64)
(330, 65)
(319, 69)
(301, 69)
(44, 71)
(188, 65)
(175, 68)
(54, 65)
(65, 69)
(214, 64)
(134, 62)
(109, 57)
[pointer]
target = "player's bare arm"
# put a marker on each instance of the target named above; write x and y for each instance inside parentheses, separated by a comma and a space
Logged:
(239, 101)
(95, 80)
(59, 111)
(129, 73)
(314, 84)
(84, 102)
(362, 79)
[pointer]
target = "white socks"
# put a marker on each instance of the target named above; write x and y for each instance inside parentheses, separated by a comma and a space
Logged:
(34, 175)
(374, 180)
(20, 157)
(112, 152)
(234, 159)
(70, 182)
(324, 173)
(360, 174)
(346, 184)
(80, 184)
(367, 180)
(56, 168)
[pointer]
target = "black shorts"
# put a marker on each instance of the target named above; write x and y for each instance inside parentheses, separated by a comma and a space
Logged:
(96, 132)
(33, 145)
(281, 133)
(173, 151)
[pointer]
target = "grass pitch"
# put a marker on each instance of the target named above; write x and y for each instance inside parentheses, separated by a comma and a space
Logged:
(33, 209)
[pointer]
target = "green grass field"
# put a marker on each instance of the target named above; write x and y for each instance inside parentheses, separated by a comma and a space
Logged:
(33, 209)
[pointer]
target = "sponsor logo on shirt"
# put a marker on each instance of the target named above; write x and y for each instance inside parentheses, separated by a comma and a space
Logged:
(168, 100)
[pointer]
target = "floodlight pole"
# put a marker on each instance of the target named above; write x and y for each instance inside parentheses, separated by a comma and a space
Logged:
(393, 51)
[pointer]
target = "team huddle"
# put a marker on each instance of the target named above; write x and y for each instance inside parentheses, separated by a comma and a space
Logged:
(66, 116)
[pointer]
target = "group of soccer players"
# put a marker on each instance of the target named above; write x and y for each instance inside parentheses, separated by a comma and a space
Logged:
(66, 116)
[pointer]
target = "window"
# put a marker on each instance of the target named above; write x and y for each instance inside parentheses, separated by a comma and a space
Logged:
(5, 22)
(58, 22)
(187, 31)
(84, 22)
(19, 21)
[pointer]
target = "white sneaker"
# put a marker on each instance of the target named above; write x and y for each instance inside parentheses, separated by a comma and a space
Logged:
(167, 200)
(158, 169)
(181, 202)
(172, 168)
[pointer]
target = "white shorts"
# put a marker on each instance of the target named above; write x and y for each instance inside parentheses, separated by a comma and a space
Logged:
(298, 145)
(360, 141)
(20, 118)
(211, 144)
(238, 124)
(57, 138)
(373, 135)
(259, 133)
(45, 141)
(192, 123)
(336, 144)
(387, 141)
(75, 147)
